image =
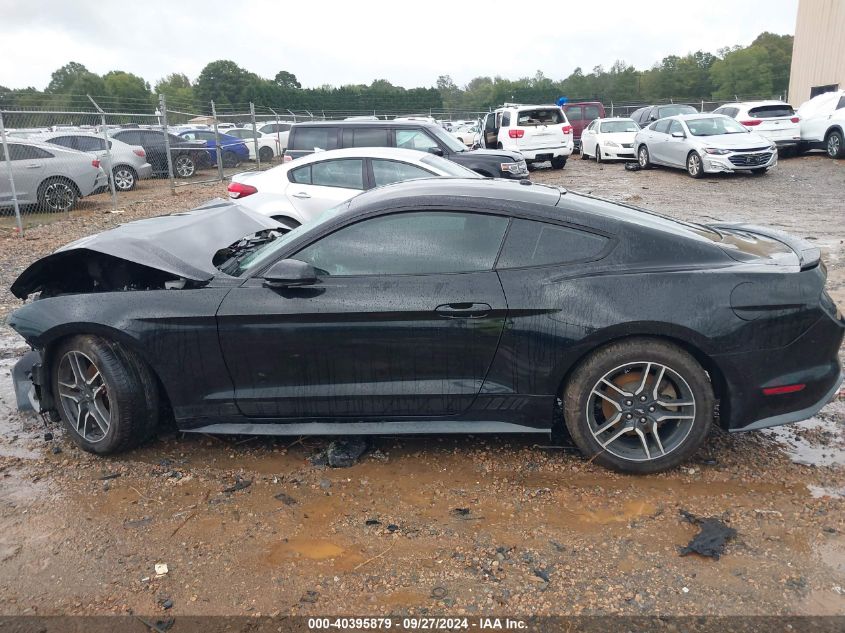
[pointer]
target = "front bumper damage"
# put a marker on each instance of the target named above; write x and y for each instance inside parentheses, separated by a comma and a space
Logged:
(27, 378)
(739, 161)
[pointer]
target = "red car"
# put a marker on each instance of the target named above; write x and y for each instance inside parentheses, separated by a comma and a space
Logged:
(580, 115)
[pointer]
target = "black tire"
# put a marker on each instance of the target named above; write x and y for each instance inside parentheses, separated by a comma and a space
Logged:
(681, 437)
(122, 395)
(695, 166)
(265, 154)
(57, 195)
(643, 158)
(598, 153)
(125, 178)
(230, 159)
(558, 162)
(834, 144)
(583, 155)
(184, 166)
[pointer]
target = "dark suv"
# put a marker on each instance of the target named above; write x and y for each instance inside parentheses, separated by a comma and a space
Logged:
(647, 115)
(188, 156)
(426, 137)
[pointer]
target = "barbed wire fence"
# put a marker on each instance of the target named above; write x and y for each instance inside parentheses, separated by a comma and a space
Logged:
(59, 150)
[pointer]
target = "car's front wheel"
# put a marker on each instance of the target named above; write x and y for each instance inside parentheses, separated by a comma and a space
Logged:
(184, 166)
(265, 154)
(834, 145)
(694, 166)
(230, 159)
(639, 405)
(102, 395)
(643, 158)
(598, 153)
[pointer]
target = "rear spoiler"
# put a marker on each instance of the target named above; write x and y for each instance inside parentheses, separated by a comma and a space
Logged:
(808, 254)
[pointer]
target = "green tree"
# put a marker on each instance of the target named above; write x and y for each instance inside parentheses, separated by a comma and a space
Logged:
(226, 83)
(128, 92)
(177, 89)
(287, 80)
(746, 72)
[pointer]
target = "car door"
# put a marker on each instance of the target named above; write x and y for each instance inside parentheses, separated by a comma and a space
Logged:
(320, 185)
(675, 149)
(658, 138)
(588, 139)
(490, 133)
(404, 321)
(30, 166)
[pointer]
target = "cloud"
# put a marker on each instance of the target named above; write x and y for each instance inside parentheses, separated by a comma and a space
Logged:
(341, 42)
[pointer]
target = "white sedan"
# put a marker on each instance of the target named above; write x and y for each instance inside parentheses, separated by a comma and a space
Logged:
(268, 145)
(296, 192)
(609, 139)
(467, 134)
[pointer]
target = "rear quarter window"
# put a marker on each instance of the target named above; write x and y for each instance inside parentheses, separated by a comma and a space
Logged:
(311, 138)
(531, 243)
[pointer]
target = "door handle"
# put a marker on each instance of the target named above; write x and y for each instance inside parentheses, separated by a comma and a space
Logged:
(33, 166)
(463, 310)
(301, 194)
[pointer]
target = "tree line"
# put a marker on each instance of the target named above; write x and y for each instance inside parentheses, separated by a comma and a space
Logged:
(759, 69)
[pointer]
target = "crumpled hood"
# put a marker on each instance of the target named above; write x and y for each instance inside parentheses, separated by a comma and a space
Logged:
(181, 244)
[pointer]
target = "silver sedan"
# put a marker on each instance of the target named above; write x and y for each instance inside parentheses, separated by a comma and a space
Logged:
(704, 143)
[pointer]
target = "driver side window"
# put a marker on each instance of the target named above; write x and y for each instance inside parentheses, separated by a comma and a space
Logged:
(414, 243)
(675, 126)
(414, 139)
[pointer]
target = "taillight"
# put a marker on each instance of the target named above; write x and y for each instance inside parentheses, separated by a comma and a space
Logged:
(516, 133)
(95, 164)
(287, 158)
(795, 119)
(567, 129)
(139, 152)
(239, 190)
(751, 122)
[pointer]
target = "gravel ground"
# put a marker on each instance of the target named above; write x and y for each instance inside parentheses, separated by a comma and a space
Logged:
(420, 526)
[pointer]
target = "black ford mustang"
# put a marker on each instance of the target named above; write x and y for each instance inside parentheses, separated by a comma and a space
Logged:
(433, 306)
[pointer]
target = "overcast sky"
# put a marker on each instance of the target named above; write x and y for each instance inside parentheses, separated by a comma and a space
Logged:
(348, 41)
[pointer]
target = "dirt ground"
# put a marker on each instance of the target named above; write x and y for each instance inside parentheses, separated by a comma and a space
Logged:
(459, 525)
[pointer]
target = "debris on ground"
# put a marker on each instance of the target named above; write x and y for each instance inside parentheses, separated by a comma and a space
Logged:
(108, 476)
(712, 538)
(285, 498)
(310, 597)
(341, 453)
(161, 569)
(239, 484)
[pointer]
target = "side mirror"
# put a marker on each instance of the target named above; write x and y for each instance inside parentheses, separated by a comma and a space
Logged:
(436, 151)
(290, 273)
(678, 135)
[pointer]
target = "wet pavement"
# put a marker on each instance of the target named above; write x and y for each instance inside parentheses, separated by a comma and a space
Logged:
(458, 525)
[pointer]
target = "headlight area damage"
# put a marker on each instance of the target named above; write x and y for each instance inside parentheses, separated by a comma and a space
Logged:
(179, 251)
(173, 251)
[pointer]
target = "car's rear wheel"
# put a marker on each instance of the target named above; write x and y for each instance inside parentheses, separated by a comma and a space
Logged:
(643, 158)
(598, 153)
(834, 144)
(639, 405)
(125, 178)
(265, 154)
(101, 394)
(184, 166)
(57, 194)
(558, 162)
(694, 166)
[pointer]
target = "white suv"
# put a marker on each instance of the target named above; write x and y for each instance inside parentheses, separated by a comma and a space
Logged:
(774, 120)
(540, 132)
(823, 123)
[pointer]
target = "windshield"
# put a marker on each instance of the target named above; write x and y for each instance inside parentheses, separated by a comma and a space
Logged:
(672, 110)
(262, 255)
(447, 139)
(614, 127)
(714, 126)
(448, 167)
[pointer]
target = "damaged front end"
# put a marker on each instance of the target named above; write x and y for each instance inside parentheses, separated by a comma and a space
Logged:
(173, 252)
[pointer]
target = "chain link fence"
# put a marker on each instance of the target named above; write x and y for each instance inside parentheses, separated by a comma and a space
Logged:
(55, 161)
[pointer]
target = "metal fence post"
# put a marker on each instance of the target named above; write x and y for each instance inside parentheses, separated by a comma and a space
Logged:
(162, 107)
(278, 134)
(109, 164)
(11, 176)
(255, 135)
(217, 143)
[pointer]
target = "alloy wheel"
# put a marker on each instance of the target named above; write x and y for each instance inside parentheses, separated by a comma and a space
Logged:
(59, 196)
(642, 156)
(184, 167)
(84, 396)
(694, 165)
(833, 145)
(124, 179)
(641, 411)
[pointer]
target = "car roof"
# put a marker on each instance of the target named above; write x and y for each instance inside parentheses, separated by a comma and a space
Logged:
(412, 124)
(615, 118)
(395, 153)
(44, 145)
(443, 191)
(697, 115)
(754, 104)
